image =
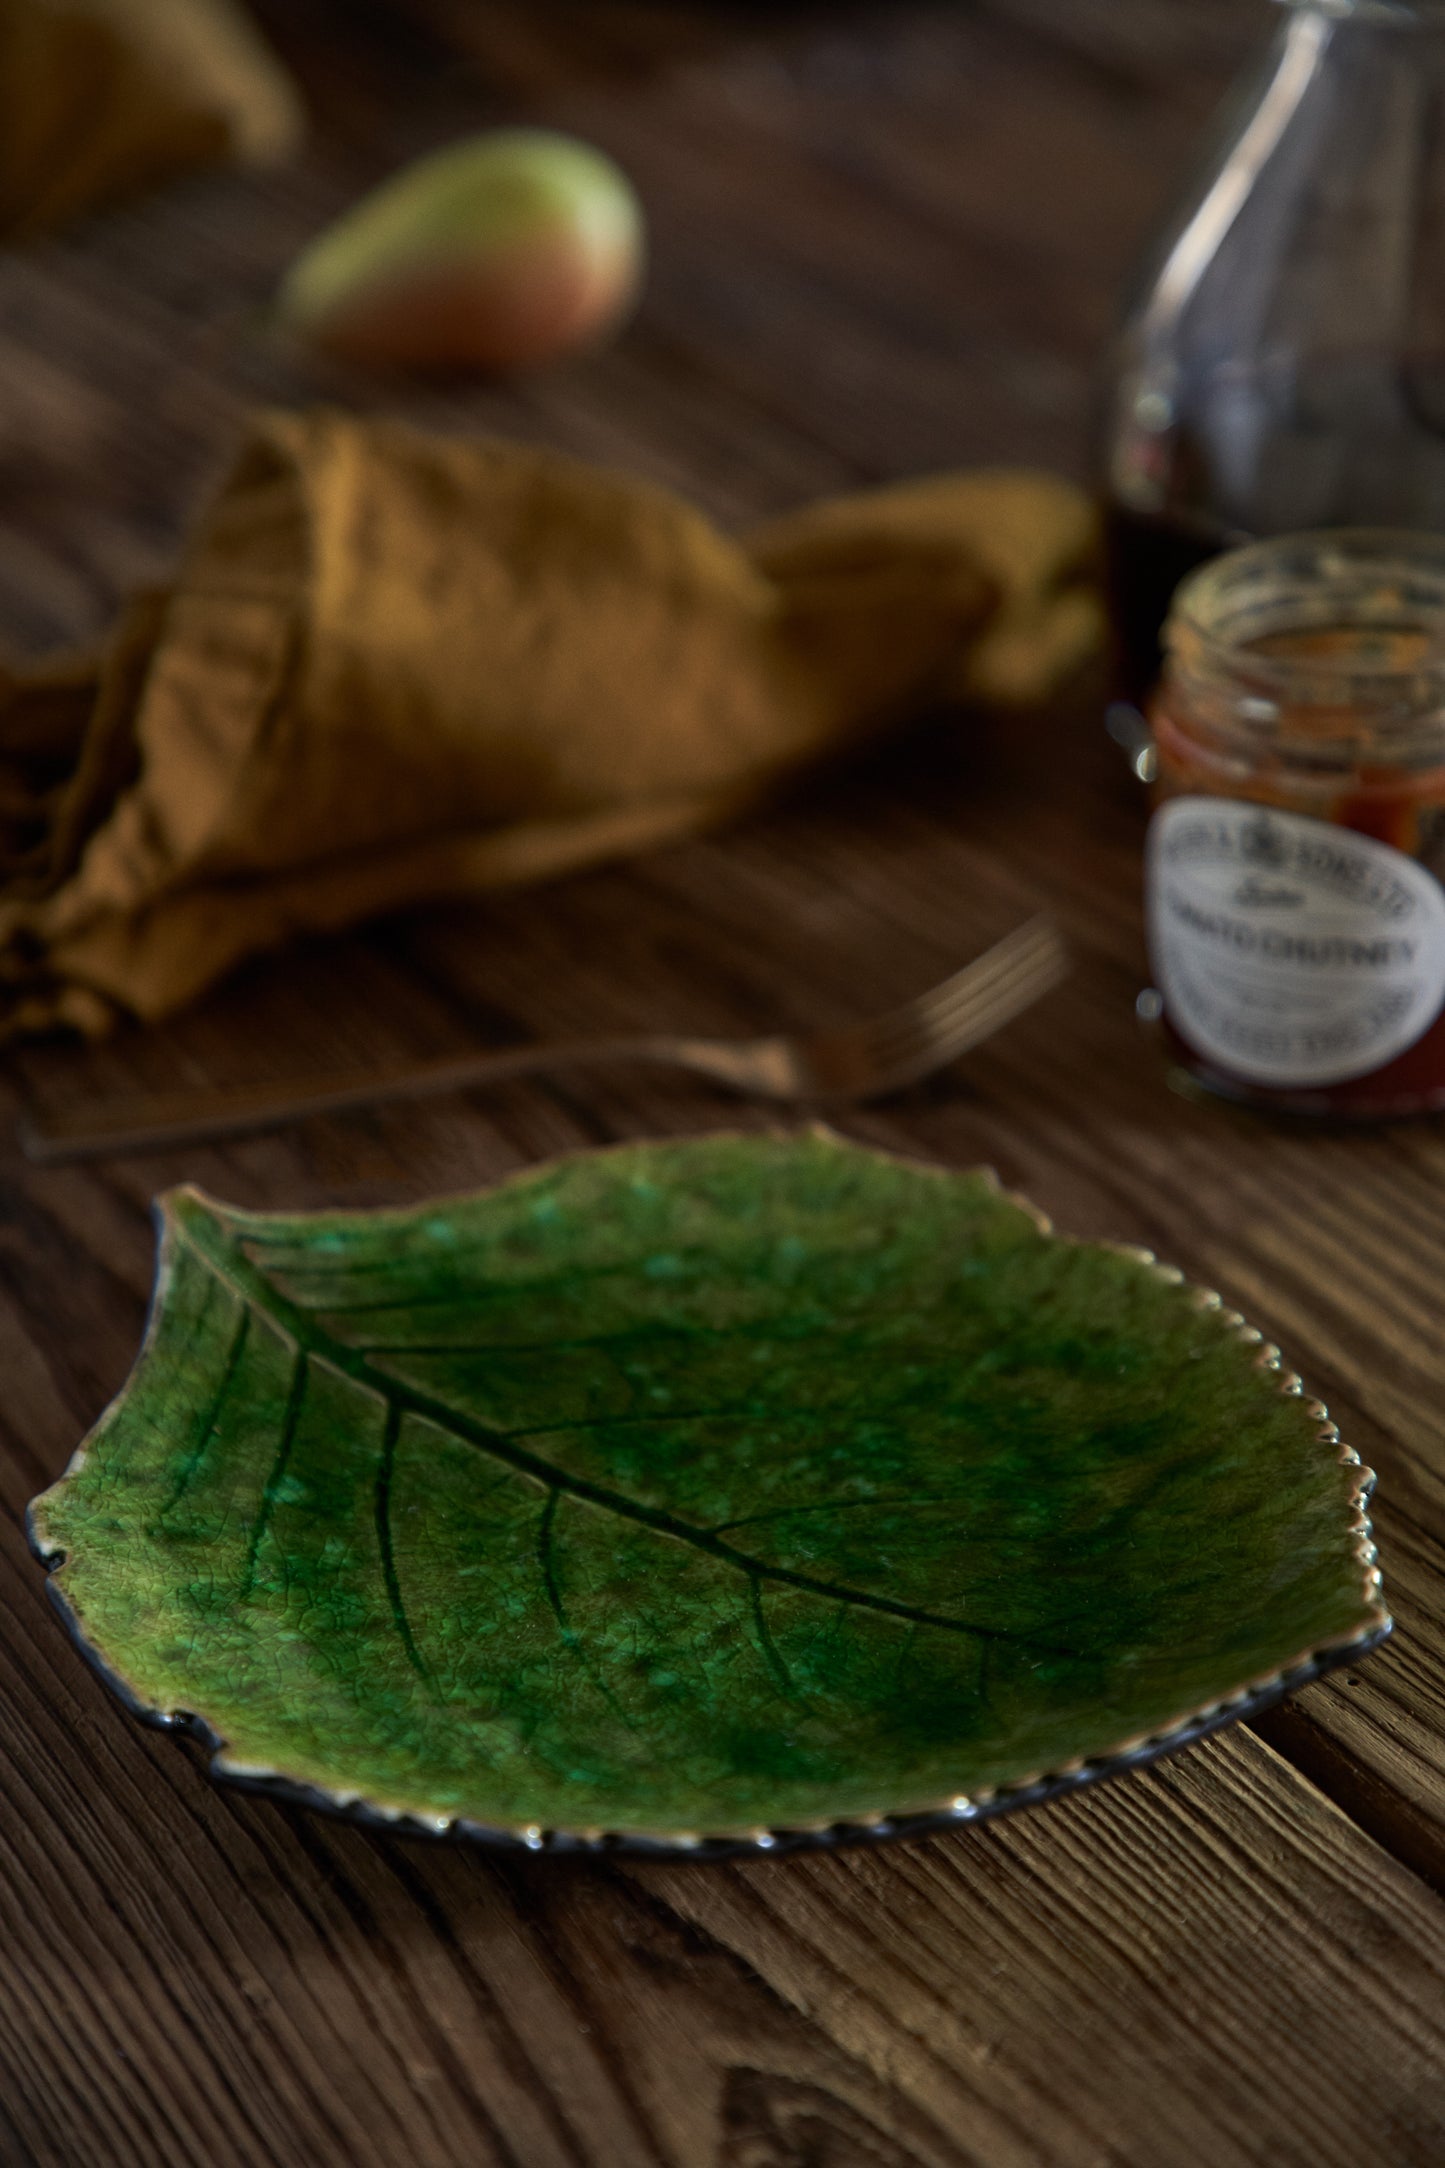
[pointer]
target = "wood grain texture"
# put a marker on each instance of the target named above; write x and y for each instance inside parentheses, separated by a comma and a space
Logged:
(885, 239)
(1138, 1975)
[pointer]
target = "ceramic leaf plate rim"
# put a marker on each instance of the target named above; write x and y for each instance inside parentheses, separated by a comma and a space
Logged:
(1238, 1705)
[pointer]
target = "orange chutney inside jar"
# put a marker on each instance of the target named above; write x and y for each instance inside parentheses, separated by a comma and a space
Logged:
(1297, 849)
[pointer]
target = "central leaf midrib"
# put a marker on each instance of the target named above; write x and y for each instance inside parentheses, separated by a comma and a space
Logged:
(197, 1225)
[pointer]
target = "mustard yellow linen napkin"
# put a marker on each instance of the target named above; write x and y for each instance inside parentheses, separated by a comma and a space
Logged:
(395, 667)
(100, 98)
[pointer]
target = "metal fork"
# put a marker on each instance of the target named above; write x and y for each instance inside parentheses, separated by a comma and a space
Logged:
(861, 1061)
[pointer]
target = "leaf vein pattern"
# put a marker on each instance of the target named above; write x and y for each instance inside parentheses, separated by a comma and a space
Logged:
(385, 1469)
(544, 1560)
(299, 1376)
(766, 1643)
(207, 1430)
(837, 1505)
(226, 1259)
(481, 1291)
(668, 1333)
(546, 1538)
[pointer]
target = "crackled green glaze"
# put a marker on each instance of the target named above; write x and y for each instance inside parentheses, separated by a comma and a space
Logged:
(691, 1487)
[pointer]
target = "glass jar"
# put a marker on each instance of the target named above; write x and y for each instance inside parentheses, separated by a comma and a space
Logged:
(1282, 365)
(1297, 846)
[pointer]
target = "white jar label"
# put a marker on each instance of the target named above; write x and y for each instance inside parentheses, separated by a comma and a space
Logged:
(1289, 951)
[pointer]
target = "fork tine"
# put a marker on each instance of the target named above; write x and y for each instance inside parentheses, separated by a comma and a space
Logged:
(959, 997)
(965, 1014)
(935, 1050)
(1031, 946)
(928, 1054)
(934, 1031)
(996, 981)
(968, 1021)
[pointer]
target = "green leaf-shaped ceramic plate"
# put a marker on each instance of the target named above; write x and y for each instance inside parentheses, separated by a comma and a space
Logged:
(757, 1491)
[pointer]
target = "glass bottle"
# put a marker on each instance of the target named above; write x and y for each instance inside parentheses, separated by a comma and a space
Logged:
(1283, 367)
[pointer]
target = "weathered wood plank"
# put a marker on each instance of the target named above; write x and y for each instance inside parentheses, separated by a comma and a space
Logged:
(716, 901)
(1159, 1971)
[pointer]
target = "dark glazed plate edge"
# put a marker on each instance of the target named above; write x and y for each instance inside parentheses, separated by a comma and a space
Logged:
(773, 1844)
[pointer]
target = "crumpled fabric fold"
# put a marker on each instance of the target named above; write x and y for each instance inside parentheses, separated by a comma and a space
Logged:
(395, 667)
(100, 99)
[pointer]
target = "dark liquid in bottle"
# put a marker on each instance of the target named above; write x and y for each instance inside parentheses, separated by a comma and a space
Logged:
(1145, 560)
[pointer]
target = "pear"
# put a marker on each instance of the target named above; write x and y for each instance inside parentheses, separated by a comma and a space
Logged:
(495, 255)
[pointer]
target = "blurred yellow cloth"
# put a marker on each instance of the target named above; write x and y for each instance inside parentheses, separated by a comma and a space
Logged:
(397, 667)
(101, 98)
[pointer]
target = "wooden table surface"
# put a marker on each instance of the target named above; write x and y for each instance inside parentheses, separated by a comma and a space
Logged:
(887, 238)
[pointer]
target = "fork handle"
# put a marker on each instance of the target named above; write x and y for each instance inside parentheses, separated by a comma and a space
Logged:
(126, 1125)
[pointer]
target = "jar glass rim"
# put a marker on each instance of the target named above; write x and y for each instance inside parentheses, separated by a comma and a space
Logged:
(1360, 579)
